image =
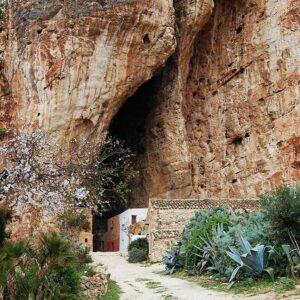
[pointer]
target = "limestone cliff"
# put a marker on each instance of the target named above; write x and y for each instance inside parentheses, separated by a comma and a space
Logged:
(71, 64)
(219, 117)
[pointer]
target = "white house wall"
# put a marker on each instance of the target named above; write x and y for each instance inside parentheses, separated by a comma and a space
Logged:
(125, 221)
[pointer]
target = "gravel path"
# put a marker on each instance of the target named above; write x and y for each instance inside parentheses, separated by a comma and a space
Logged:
(140, 282)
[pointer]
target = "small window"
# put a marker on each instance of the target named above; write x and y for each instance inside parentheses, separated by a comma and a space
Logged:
(86, 240)
(133, 219)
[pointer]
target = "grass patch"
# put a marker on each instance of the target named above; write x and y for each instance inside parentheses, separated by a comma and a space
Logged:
(248, 286)
(142, 279)
(113, 292)
(153, 285)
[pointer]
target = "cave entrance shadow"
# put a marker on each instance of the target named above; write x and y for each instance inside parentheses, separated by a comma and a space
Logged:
(130, 126)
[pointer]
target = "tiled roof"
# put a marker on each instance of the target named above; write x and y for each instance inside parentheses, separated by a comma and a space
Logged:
(165, 204)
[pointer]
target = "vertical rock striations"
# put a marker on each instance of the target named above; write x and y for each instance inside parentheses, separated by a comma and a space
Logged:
(71, 64)
(222, 116)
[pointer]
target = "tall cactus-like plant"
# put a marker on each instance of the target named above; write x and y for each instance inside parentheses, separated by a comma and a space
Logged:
(253, 259)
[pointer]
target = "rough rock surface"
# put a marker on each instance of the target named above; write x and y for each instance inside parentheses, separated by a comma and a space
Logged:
(232, 129)
(70, 64)
(95, 287)
(223, 104)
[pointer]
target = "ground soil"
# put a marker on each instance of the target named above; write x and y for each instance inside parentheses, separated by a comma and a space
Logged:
(145, 282)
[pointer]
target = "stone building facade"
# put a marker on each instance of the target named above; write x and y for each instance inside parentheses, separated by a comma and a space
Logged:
(167, 218)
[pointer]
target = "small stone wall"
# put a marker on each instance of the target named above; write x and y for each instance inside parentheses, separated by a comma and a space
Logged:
(96, 286)
(167, 218)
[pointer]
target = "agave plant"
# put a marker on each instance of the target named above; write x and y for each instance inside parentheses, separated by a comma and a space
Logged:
(254, 259)
(172, 260)
(212, 255)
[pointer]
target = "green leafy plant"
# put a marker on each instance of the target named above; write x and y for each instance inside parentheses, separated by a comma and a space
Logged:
(47, 269)
(282, 211)
(202, 247)
(2, 129)
(293, 255)
(72, 219)
(253, 259)
(136, 255)
(3, 222)
(199, 227)
(212, 256)
(141, 244)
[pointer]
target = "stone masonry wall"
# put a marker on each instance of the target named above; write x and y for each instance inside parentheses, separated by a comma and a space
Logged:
(167, 218)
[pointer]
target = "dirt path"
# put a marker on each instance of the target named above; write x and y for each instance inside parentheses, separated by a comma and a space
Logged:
(139, 282)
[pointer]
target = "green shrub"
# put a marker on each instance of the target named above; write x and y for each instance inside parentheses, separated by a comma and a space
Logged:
(203, 244)
(282, 209)
(141, 244)
(2, 129)
(137, 255)
(212, 255)
(199, 233)
(49, 269)
(75, 220)
(3, 222)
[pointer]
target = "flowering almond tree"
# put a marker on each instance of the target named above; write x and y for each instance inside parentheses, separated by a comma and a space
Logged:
(38, 175)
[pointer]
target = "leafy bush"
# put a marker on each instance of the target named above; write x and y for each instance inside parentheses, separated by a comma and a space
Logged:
(2, 129)
(212, 239)
(141, 244)
(72, 219)
(201, 247)
(282, 210)
(49, 269)
(138, 250)
(196, 230)
(198, 235)
(3, 222)
(212, 255)
(137, 255)
(253, 259)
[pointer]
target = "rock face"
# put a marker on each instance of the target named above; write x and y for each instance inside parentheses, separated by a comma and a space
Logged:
(234, 131)
(219, 117)
(71, 64)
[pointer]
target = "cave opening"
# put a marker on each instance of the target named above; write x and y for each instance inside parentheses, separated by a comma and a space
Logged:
(130, 126)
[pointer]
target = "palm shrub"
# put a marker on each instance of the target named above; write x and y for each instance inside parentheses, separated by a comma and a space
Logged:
(48, 269)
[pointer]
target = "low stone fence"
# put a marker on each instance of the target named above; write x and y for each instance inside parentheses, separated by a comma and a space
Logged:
(95, 287)
(167, 218)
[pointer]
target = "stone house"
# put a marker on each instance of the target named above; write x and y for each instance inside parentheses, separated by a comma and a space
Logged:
(167, 218)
